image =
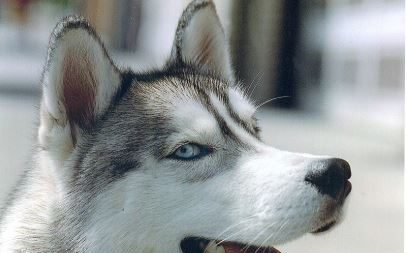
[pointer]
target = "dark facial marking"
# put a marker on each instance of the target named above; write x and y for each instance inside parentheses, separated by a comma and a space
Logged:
(221, 122)
(222, 93)
(120, 167)
(127, 79)
(239, 121)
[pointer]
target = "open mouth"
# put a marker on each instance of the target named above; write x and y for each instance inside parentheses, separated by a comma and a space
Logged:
(202, 245)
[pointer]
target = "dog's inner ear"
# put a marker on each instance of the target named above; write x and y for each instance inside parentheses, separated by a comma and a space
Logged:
(200, 40)
(79, 81)
(78, 88)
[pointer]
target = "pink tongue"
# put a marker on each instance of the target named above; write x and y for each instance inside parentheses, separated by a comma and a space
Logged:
(231, 247)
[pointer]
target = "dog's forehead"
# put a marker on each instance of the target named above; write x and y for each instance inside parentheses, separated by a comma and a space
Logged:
(191, 96)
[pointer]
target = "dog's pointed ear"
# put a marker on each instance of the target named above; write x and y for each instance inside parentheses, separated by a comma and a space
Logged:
(200, 39)
(79, 79)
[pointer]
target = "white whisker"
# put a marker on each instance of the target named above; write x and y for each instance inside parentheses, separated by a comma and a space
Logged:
(268, 237)
(257, 83)
(238, 232)
(251, 83)
(257, 236)
(269, 100)
(232, 226)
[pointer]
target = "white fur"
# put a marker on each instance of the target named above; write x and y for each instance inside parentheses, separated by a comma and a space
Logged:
(33, 210)
(264, 200)
(201, 128)
(255, 195)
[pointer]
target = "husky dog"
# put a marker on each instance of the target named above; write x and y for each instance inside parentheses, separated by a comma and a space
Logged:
(164, 161)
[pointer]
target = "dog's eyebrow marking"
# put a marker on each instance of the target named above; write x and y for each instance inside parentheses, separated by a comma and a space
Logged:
(239, 120)
(222, 110)
(223, 95)
(226, 131)
(120, 168)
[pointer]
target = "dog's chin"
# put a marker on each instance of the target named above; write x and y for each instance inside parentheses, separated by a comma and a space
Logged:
(195, 244)
(330, 216)
(205, 245)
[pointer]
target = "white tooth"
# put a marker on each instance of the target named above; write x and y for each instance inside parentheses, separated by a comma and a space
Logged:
(211, 248)
(220, 249)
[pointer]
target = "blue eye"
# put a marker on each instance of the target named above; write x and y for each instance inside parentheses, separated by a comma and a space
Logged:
(191, 151)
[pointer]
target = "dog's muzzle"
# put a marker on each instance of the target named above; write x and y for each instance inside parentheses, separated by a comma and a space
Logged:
(330, 177)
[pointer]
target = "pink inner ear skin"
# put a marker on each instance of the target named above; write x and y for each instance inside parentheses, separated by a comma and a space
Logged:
(204, 56)
(79, 90)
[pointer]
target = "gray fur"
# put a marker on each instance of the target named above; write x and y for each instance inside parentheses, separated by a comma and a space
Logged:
(77, 185)
(116, 146)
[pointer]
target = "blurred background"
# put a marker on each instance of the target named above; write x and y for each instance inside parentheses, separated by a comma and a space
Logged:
(339, 64)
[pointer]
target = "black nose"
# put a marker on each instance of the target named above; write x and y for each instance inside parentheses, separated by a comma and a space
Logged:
(332, 178)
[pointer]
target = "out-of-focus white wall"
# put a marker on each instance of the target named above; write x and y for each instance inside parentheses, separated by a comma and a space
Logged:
(363, 61)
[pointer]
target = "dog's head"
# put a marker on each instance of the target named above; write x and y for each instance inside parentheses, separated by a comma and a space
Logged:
(171, 160)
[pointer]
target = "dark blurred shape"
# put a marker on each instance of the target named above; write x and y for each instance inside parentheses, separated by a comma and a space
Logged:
(255, 44)
(273, 52)
(287, 76)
